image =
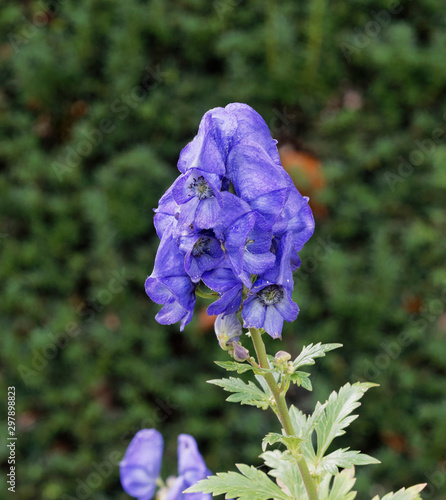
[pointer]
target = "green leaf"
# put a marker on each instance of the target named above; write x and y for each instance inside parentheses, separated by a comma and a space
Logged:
(342, 485)
(403, 494)
(251, 484)
(270, 439)
(302, 378)
(285, 469)
(303, 427)
(234, 366)
(336, 414)
(306, 357)
(320, 419)
(245, 394)
(345, 459)
(291, 442)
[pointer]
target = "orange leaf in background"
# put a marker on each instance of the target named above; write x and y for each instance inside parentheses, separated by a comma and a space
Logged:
(395, 441)
(307, 174)
(112, 321)
(78, 109)
(205, 322)
(413, 304)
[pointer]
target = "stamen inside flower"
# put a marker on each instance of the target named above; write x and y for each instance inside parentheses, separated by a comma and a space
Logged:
(200, 188)
(270, 295)
(201, 246)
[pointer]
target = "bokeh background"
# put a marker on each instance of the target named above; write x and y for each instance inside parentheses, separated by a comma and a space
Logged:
(97, 98)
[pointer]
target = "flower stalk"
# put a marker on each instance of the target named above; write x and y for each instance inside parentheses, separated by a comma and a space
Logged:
(282, 411)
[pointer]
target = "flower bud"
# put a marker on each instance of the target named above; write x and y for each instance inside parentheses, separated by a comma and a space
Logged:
(240, 353)
(281, 358)
(228, 329)
(290, 368)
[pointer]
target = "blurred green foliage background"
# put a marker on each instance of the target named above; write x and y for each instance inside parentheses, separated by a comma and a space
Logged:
(97, 98)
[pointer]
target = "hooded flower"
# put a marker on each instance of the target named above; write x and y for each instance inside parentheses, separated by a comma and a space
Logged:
(229, 287)
(232, 218)
(198, 195)
(220, 130)
(246, 238)
(268, 307)
(203, 253)
(141, 465)
(169, 284)
(227, 329)
(191, 469)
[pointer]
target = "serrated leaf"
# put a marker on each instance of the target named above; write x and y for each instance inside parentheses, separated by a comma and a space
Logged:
(251, 484)
(291, 442)
(302, 379)
(345, 459)
(403, 494)
(233, 366)
(287, 472)
(309, 353)
(270, 439)
(264, 384)
(342, 485)
(336, 414)
(303, 427)
(240, 367)
(245, 394)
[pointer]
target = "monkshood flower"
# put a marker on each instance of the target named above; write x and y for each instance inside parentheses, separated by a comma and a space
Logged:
(203, 253)
(220, 130)
(246, 238)
(140, 468)
(234, 221)
(230, 288)
(198, 194)
(191, 469)
(269, 301)
(227, 329)
(169, 284)
(141, 465)
(267, 307)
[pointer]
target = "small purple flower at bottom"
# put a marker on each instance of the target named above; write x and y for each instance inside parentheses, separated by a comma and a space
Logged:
(191, 469)
(268, 308)
(141, 465)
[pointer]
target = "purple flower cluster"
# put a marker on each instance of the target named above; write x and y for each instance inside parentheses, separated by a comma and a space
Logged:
(233, 220)
(141, 467)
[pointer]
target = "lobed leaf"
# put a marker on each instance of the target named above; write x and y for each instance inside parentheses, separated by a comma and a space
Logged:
(251, 484)
(341, 488)
(245, 394)
(287, 473)
(270, 439)
(291, 442)
(403, 494)
(336, 414)
(235, 366)
(309, 353)
(345, 459)
(302, 379)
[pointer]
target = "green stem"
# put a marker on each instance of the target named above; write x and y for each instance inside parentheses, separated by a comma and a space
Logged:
(205, 295)
(282, 411)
